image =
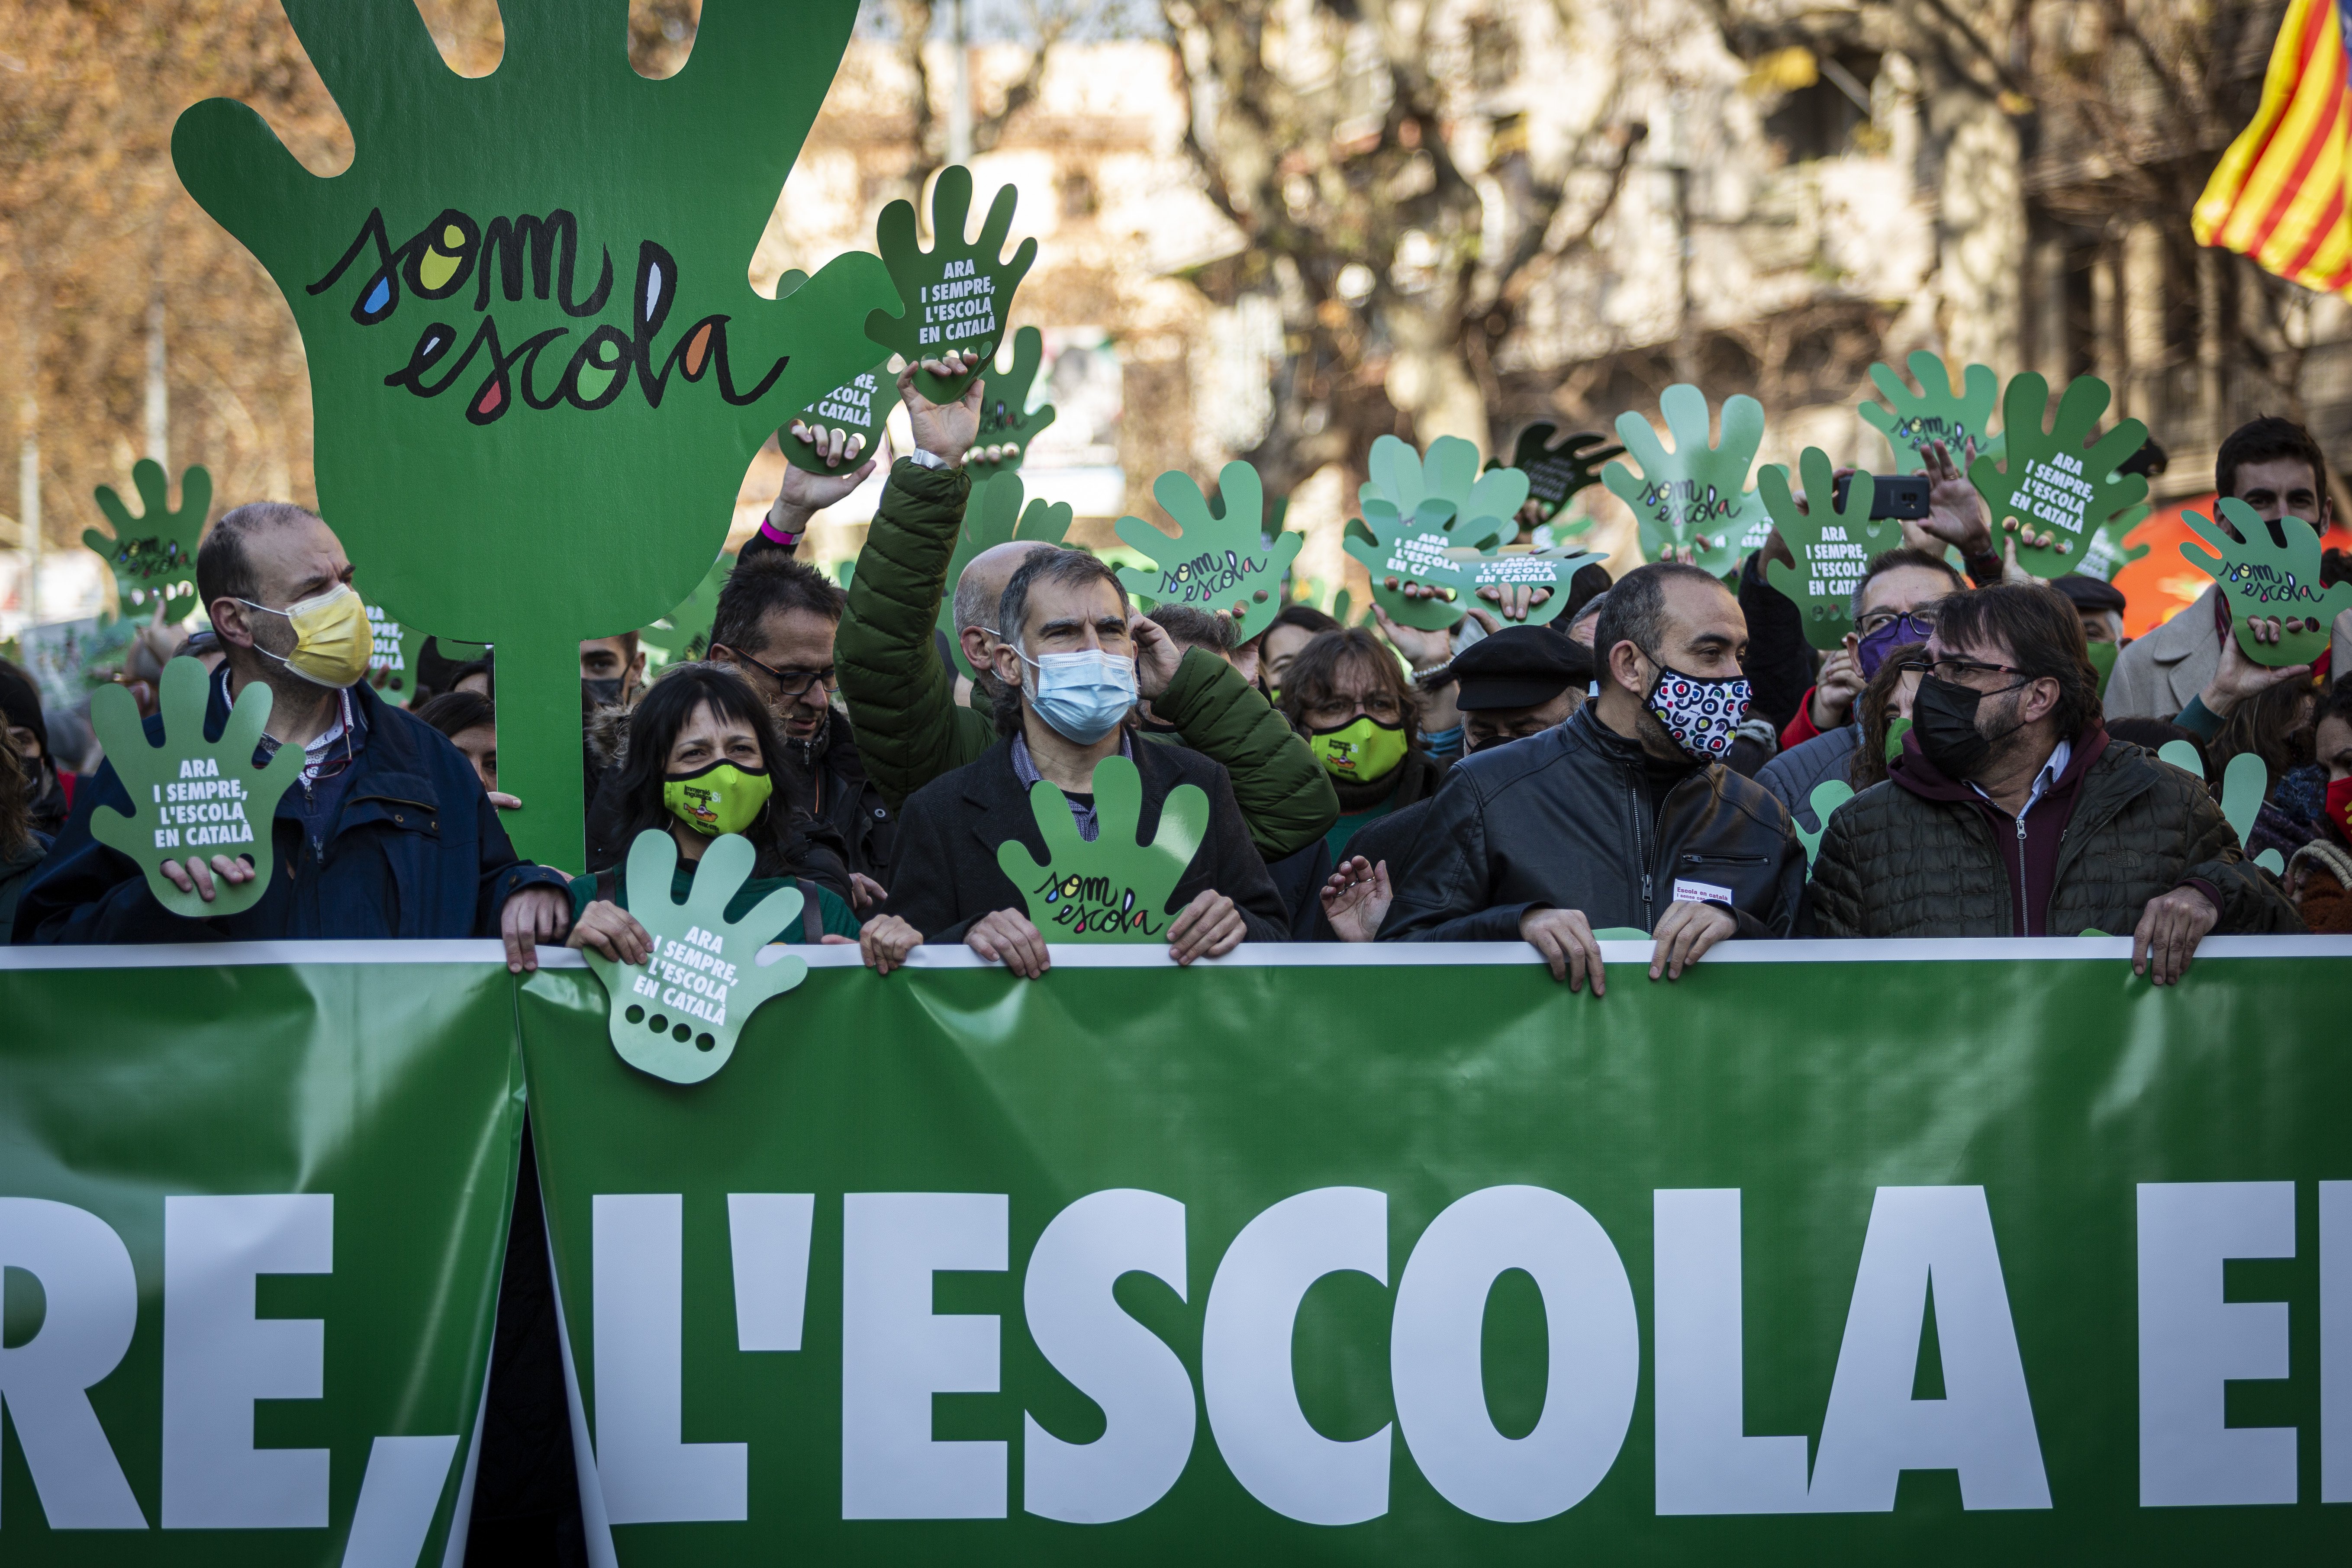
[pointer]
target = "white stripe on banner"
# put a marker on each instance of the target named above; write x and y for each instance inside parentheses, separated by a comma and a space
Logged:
(405, 1478)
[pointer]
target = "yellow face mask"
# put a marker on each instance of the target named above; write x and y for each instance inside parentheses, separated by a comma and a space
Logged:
(332, 638)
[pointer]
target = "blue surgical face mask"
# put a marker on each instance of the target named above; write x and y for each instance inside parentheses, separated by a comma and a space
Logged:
(1083, 695)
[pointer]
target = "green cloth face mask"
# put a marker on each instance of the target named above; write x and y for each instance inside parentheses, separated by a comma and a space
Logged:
(1359, 751)
(720, 798)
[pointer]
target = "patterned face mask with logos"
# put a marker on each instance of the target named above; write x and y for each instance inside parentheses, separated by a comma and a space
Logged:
(1701, 716)
(720, 798)
(1360, 750)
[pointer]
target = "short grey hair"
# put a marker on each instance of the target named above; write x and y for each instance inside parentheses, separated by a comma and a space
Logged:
(225, 568)
(1188, 627)
(971, 604)
(1074, 567)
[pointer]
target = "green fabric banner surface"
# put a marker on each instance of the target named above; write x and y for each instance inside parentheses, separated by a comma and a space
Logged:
(251, 1217)
(1929, 1252)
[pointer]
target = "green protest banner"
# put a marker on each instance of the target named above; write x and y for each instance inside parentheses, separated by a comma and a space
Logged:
(1794, 1260)
(253, 1204)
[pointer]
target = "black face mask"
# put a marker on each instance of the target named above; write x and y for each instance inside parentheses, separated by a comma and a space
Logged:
(601, 693)
(1944, 717)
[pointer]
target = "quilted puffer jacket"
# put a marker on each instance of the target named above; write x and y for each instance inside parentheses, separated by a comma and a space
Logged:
(1896, 863)
(911, 729)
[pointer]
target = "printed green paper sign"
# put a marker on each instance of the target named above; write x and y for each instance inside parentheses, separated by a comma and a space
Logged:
(1914, 421)
(1559, 466)
(993, 515)
(2110, 550)
(679, 1015)
(538, 366)
(393, 656)
(192, 798)
(2058, 486)
(1219, 560)
(2268, 571)
(1694, 498)
(153, 554)
(1426, 521)
(1114, 888)
(956, 295)
(685, 633)
(1832, 543)
(1007, 424)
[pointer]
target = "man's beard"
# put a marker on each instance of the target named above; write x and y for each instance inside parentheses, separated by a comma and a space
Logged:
(806, 750)
(2002, 732)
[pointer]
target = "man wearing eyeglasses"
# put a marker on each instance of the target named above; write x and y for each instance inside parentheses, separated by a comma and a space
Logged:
(2011, 812)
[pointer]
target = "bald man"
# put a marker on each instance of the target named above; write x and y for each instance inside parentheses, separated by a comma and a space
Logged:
(900, 699)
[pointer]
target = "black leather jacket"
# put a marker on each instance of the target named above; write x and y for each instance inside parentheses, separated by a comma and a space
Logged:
(1562, 820)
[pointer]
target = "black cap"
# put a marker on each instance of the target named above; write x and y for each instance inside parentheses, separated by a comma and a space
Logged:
(1518, 666)
(2089, 593)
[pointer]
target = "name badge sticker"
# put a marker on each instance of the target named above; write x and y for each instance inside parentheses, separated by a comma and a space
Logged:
(1690, 892)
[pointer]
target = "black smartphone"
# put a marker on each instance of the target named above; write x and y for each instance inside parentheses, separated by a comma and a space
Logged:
(1902, 496)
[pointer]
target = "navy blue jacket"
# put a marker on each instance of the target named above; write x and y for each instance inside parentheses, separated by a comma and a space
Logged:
(415, 850)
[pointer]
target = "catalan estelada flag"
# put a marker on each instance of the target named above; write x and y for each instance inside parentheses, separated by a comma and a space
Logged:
(2278, 193)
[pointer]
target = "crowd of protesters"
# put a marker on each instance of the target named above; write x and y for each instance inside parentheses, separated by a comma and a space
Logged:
(1644, 762)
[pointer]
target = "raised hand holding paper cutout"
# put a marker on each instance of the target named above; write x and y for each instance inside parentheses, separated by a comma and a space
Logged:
(1114, 888)
(1694, 498)
(2107, 553)
(1425, 522)
(1219, 559)
(153, 554)
(993, 515)
(2058, 486)
(192, 799)
(1007, 423)
(958, 293)
(1914, 421)
(2267, 577)
(679, 1015)
(1832, 543)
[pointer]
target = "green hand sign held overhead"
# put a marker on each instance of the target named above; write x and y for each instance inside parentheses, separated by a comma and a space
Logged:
(1115, 888)
(1832, 544)
(153, 554)
(1558, 466)
(678, 1016)
(992, 515)
(1007, 424)
(2057, 486)
(2263, 576)
(1914, 421)
(537, 367)
(859, 405)
(192, 798)
(956, 295)
(1426, 521)
(1695, 497)
(1219, 559)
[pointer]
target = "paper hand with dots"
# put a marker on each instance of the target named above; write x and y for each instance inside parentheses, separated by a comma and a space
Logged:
(153, 554)
(2264, 575)
(679, 1015)
(1427, 521)
(1832, 543)
(2057, 486)
(1114, 888)
(1694, 498)
(191, 797)
(2110, 551)
(1219, 559)
(955, 296)
(1559, 466)
(1007, 424)
(993, 515)
(533, 343)
(1914, 421)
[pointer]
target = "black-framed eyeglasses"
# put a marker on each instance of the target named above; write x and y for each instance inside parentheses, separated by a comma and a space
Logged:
(792, 683)
(1876, 621)
(1954, 669)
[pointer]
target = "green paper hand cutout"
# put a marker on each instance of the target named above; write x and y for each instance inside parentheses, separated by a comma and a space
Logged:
(191, 797)
(2183, 755)
(1007, 423)
(957, 294)
(678, 1016)
(1115, 888)
(2107, 553)
(2103, 659)
(154, 553)
(392, 663)
(1832, 543)
(1427, 521)
(1558, 466)
(851, 407)
(533, 344)
(992, 515)
(1895, 729)
(2058, 486)
(2244, 781)
(1219, 559)
(685, 633)
(1914, 421)
(1827, 796)
(1697, 497)
(2263, 577)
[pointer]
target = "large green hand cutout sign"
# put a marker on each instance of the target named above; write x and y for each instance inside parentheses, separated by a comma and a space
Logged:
(1219, 560)
(2263, 576)
(1115, 888)
(191, 797)
(2058, 486)
(955, 295)
(1007, 423)
(1559, 466)
(1832, 543)
(992, 515)
(1426, 521)
(537, 367)
(685, 632)
(153, 554)
(2107, 553)
(1914, 421)
(1695, 497)
(678, 1016)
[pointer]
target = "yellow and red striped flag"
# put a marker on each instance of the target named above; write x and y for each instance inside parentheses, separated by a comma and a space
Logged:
(2278, 192)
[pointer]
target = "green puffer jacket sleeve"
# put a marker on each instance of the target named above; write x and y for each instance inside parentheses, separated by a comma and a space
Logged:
(901, 701)
(1284, 795)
